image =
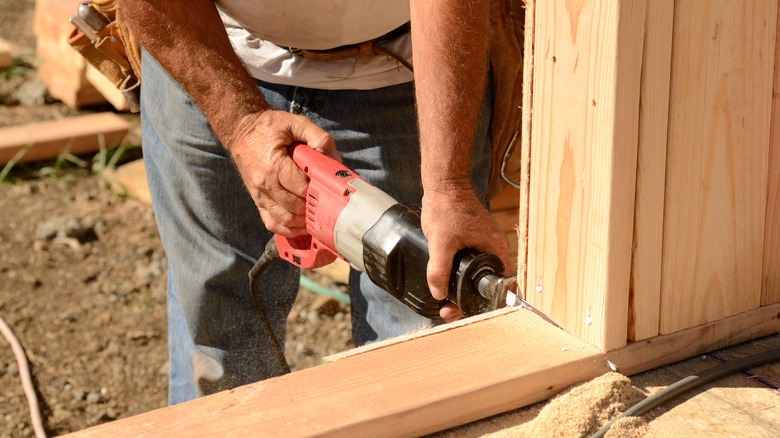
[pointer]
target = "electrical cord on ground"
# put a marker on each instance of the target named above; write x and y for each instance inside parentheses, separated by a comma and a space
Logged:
(691, 382)
(270, 255)
(24, 373)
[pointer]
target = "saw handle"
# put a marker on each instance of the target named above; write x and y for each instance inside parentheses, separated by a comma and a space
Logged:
(327, 187)
(304, 251)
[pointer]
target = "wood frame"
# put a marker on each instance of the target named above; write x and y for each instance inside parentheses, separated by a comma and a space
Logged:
(655, 172)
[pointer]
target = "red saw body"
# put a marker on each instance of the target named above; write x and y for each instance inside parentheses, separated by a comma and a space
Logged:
(349, 218)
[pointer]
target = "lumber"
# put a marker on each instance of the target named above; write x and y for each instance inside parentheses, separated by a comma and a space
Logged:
(525, 146)
(665, 349)
(645, 295)
(770, 281)
(409, 388)
(76, 135)
(584, 129)
(62, 69)
(5, 54)
(719, 124)
(130, 180)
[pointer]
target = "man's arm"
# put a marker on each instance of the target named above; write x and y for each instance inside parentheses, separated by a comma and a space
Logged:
(189, 40)
(450, 48)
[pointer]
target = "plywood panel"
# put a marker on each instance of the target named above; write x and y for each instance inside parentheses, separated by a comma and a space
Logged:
(716, 180)
(419, 385)
(645, 297)
(770, 284)
(584, 128)
(525, 144)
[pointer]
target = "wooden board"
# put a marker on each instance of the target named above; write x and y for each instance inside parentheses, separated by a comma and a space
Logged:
(584, 134)
(663, 350)
(78, 135)
(716, 179)
(770, 280)
(130, 180)
(62, 68)
(408, 388)
(525, 145)
(5, 54)
(645, 295)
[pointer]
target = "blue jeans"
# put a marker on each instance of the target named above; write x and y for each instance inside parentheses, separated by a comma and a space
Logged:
(212, 232)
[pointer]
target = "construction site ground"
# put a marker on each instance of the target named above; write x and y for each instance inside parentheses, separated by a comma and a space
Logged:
(82, 284)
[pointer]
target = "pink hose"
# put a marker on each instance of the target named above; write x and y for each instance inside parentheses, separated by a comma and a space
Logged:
(24, 373)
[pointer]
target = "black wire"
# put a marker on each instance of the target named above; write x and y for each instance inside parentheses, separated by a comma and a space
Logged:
(270, 255)
(692, 382)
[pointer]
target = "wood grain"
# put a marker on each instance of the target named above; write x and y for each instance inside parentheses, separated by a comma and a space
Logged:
(770, 281)
(665, 349)
(720, 108)
(584, 130)
(645, 296)
(409, 388)
(77, 135)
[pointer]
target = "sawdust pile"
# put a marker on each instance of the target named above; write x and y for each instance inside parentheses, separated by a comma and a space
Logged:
(583, 410)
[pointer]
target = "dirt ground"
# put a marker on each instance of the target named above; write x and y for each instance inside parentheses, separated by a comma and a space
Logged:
(82, 284)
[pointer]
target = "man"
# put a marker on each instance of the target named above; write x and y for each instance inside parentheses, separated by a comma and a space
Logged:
(215, 139)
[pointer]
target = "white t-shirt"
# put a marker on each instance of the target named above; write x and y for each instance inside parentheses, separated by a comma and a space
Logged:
(263, 31)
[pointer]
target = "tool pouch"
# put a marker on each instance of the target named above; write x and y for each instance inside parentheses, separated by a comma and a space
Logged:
(114, 52)
(506, 59)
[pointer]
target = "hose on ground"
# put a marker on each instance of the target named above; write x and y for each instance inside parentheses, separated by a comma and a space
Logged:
(691, 382)
(24, 374)
(270, 255)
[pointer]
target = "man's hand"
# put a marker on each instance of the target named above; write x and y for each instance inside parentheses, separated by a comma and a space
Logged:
(276, 184)
(453, 220)
(189, 40)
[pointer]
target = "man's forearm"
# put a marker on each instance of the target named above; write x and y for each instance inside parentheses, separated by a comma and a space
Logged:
(190, 42)
(450, 43)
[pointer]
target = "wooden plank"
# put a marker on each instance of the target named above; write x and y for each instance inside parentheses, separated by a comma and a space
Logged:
(665, 349)
(587, 71)
(720, 108)
(5, 54)
(770, 281)
(409, 388)
(525, 145)
(645, 298)
(78, 135)
(63, 69)
(130, 180)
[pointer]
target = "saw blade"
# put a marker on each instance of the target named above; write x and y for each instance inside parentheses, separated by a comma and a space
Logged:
(514, 300)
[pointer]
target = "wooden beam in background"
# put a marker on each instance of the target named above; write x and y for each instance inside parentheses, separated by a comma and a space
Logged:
(645, 300)
(716, 179)
(584, 135)
(493, 364)
(78, 135)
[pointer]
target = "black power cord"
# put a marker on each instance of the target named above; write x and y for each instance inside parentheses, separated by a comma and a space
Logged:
(691, 382)
(269, 257)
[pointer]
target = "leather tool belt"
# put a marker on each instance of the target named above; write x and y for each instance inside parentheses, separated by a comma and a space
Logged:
(360, 50)
(102, 38)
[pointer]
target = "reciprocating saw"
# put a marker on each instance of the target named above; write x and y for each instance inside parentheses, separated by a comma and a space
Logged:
(349, 218)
